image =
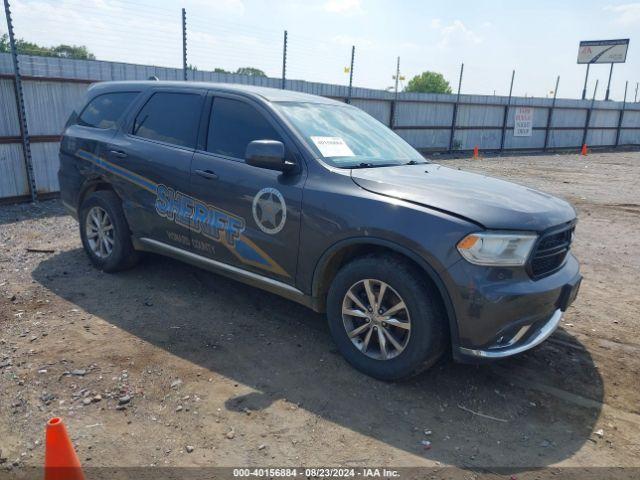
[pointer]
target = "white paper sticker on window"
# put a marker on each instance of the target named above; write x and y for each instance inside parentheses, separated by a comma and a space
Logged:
(332, 147)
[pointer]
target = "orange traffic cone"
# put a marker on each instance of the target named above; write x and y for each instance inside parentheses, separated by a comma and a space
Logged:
(60, 459)
(584, 150)
(476, 153)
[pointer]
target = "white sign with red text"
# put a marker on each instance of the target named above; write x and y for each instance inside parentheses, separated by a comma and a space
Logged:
(523, 122)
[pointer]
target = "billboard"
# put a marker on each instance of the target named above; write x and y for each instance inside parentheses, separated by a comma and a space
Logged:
(603, 51)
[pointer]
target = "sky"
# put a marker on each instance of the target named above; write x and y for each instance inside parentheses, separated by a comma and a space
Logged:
(539, 39)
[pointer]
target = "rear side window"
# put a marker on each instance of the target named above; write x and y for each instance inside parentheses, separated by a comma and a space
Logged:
(233, 125)
(105, 110)
(171, 118)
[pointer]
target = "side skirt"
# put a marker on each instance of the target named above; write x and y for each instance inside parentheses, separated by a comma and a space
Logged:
(244, 276)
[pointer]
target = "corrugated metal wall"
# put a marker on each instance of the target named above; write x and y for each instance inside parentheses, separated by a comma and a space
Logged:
(53, 87)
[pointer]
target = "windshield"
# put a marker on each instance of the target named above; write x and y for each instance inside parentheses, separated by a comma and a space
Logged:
(347, 137)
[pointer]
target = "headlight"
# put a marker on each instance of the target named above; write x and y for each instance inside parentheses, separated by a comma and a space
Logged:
(492, 248)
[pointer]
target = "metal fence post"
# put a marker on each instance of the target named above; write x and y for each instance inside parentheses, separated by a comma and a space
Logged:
(353, 53)
(506, 112)
(284, 61)
(22, 116)
(621, 117)
(184, 44)
(550, 115)
(586, 123)
(454, 116)
(395, 97)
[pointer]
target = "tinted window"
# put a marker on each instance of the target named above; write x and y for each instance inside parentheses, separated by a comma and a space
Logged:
(171, 118)
(233, 125)
(105, 110)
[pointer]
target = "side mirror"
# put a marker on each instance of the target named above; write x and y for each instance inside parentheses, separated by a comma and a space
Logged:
(267, 154)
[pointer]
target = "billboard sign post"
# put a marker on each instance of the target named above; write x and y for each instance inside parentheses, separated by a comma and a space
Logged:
(602, 51)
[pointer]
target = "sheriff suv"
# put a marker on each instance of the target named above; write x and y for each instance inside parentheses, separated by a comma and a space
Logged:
(317, 201)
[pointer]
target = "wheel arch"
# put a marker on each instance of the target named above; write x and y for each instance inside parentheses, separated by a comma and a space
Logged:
(91, 186)
(346, 250)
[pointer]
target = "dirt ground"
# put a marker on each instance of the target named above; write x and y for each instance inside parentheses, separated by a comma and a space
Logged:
(169, 365)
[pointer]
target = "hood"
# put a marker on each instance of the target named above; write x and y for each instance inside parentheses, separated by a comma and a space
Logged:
(493, 203)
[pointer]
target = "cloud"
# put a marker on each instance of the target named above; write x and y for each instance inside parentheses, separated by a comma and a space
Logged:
(455, 33)
(626, 14)
(342, 6)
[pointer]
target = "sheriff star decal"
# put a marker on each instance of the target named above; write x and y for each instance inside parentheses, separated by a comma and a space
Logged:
(269, 210)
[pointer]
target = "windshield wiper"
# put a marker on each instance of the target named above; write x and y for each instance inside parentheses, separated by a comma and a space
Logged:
(363, 165)
(372, 165)
(415, 162)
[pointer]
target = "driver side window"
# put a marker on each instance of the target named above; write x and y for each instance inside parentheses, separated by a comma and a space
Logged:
(233, 125)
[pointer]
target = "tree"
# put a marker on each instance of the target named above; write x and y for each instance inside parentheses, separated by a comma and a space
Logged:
(4, 44)
(79, 52)
(220, 70)
(61, 51)
(428, 82)
(251, 71)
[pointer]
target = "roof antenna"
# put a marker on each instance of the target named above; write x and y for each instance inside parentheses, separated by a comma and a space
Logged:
(153, 77)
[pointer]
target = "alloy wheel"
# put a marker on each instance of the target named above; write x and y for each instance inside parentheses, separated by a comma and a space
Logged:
(100, 232)
(376, 319)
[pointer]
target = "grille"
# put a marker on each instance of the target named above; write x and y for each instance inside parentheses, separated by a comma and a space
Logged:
(550, 252)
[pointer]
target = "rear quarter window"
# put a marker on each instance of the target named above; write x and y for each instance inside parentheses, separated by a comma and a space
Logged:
(105, 110)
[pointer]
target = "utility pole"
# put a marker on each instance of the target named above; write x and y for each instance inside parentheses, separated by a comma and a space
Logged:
(506, 112)
(353, 54)
(454, 116)
(550, 115)
(284, 61)
(606, 96)
(397, 77)
(588, 120)
(184, 44)
(586, 78)
(621, 117)
(22, 116)
(395, 98)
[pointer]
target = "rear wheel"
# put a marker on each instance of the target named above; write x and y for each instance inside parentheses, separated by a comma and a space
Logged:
(385, 318)
(104, 232)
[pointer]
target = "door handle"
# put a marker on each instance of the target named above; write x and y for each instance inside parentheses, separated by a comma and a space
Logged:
(208, 174)
(118, 153)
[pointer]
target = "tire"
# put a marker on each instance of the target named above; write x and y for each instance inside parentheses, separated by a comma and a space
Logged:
(422, 344)
(122, 255)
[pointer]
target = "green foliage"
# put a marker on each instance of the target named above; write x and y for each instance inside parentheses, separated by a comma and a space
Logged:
(428, 82)
(252, 72)
(4, 44)
(24, 47)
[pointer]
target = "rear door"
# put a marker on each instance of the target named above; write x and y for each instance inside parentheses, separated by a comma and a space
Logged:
(85, 139)
(153, 152)
(247, 216)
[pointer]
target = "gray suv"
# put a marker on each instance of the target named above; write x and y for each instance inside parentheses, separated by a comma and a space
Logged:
(316, 201)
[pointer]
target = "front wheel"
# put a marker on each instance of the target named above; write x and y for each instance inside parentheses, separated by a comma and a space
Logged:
(386, 320)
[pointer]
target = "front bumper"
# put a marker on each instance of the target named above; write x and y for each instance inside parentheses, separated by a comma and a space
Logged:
(502, 312)
(513, 348)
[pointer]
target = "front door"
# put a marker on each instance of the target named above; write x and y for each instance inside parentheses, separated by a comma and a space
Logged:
(248, 217)
(155, 150)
